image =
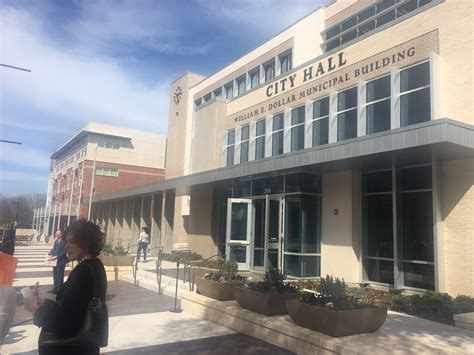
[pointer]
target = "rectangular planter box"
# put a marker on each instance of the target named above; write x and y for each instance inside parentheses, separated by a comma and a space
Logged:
(216, 290)
(336, 323)
(263, 303)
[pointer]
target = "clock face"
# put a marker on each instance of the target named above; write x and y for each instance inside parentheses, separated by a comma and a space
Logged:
(177, 95)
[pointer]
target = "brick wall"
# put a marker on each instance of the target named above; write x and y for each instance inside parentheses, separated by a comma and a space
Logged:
(128, 177)
(457, 180)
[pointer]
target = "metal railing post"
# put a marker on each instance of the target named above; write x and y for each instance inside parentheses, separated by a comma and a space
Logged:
(176, 310)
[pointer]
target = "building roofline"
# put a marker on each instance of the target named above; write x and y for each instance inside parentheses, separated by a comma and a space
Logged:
(77, 138)
(187, 73)
(330, 2)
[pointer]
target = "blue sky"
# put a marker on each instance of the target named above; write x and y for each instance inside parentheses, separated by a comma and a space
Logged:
(111, 62)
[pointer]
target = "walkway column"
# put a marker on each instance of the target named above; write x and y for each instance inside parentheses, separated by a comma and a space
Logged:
(34, 217)
(59, 217)
(70, 195)
(54, 220)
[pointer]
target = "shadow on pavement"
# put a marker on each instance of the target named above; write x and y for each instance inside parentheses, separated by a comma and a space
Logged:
(234, 344)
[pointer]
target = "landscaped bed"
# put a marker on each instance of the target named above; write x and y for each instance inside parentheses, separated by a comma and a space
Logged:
(268, 296)
(220, 284)
(435, 306)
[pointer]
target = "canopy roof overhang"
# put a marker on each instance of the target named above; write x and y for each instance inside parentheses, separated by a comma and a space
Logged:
(438, 140)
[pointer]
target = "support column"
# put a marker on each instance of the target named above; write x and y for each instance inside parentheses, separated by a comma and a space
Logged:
(54, 220)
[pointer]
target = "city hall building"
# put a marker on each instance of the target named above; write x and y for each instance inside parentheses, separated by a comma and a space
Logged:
(344, 145)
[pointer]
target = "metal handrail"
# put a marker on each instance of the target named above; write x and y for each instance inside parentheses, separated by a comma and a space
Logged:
(158, 269)
(188, 266)
(134, 266)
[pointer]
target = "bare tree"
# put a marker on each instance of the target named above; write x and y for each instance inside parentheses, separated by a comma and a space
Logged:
(24, 204)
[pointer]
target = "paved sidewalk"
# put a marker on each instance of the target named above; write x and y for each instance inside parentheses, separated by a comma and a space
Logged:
(140, 320)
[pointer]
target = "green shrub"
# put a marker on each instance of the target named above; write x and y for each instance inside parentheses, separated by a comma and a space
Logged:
(333, 287)
(180, 256)
(463, 304)
(273, 282)
(119, 250)
(229, 269)
(400, 303)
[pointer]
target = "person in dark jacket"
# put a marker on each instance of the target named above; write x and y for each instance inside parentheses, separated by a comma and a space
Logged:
(59, 254)
(64, 317)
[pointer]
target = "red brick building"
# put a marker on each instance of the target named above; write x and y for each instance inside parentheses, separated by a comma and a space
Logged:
(100, 159)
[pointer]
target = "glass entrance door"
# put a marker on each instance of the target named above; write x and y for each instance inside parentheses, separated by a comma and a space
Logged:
(238, 234)
(273, 235)
(267, 232)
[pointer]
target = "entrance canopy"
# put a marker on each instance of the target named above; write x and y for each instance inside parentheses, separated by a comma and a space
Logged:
(441, 139)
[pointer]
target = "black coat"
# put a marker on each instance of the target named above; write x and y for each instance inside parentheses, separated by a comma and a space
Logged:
(66, 315)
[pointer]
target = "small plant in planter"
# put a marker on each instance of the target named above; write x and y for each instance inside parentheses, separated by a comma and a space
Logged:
(333, 312)
(118, 252)
(268, 296)
(219, 285)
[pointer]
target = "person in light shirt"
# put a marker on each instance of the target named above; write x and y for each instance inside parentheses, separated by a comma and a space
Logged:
(143, 243)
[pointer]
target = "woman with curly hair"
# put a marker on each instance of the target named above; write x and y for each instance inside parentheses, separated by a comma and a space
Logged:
(64, 317)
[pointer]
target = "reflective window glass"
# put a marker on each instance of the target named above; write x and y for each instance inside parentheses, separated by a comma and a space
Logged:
(415, 77)
(320, 131)
(415, 107)
(347, 99)
(321, 108)
(378, 89)
(347, 125)
(382, 20)
(378, 117)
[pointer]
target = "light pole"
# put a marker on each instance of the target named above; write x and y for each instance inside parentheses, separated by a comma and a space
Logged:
(92, 182)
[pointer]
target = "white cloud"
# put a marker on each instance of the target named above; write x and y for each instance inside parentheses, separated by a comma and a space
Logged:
(150, 24)
(265, 17)
(30, 126)
(21, 176)
(74, 86)
(20, 155)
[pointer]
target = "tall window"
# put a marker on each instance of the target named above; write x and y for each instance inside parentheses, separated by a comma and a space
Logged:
(416, 229)
(244, 144)
(415, 94)
(285, 62)
(260, 140)
(277, 135)
(254, 78)
(229, 90)
(240, 85)
(414, 224)
(347, 114)
(269, 70)
(321, 121)
(379, 227)
(378, 105)
(230, 147)
(297, 128)
(218, 92)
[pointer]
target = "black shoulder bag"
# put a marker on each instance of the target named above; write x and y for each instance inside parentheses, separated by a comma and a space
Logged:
(94, 331)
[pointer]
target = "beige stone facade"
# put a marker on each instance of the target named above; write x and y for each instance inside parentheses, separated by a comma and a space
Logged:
(350, 158)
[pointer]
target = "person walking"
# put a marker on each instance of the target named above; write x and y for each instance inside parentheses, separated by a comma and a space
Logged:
(143, 243)
(58, 253)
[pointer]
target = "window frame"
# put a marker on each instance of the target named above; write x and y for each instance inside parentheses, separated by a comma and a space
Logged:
(320, 118)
